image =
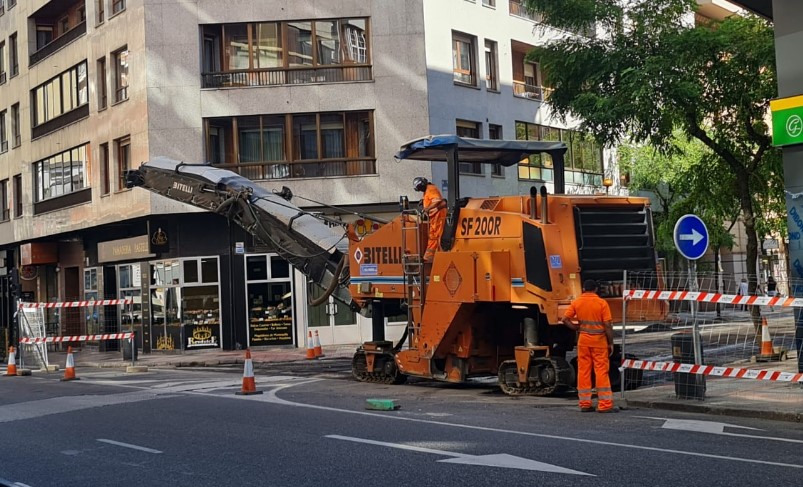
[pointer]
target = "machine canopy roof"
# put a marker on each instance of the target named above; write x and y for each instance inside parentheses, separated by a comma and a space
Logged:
(504, 152)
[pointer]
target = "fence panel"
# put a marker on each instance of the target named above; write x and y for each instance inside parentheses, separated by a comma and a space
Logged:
(749, 339)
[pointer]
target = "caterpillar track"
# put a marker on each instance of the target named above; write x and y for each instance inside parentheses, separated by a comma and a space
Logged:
(385, 370)
(547, 376)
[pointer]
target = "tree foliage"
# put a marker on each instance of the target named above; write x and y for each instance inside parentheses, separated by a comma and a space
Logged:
(650, 71)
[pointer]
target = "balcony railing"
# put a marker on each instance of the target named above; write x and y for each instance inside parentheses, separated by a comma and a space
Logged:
(518, 10)
(317, 169)
(286, 76)
(533, 92)
(57, 43)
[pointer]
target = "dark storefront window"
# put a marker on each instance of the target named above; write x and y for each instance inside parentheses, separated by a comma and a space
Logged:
(185, 312)
(270, 300)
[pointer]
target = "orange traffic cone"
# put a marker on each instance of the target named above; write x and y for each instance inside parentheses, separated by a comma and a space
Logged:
(766, 341)
(310, 347)
(12, 362)
(249, 384)
(317, 345)
(69, 370)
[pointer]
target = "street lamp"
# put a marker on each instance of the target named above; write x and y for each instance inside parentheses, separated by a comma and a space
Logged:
(607, 182)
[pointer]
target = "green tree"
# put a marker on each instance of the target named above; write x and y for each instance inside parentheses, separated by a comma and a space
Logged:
(649, 71)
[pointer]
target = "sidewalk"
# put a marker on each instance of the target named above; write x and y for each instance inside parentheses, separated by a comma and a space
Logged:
(196, 358)
(727, 397)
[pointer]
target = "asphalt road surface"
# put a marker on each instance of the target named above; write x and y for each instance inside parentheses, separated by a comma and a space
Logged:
(310, 427)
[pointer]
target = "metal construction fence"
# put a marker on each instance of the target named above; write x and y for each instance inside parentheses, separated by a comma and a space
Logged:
(722, 337)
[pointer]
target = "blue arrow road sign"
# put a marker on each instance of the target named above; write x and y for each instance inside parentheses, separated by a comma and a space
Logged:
(691, 237)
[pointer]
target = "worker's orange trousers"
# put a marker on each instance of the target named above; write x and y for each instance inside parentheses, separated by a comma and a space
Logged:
(596, 359)
(435, 231)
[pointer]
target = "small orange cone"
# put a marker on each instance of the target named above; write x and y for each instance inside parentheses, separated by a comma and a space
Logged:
(766, 341)
(12, 363)
(310, 347)
(249, 384)
(69, 370)
(317, 345)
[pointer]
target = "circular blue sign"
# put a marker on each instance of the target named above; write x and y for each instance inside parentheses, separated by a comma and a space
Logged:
(691, 237)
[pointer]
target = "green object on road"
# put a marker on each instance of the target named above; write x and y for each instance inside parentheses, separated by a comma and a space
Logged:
(381, 404)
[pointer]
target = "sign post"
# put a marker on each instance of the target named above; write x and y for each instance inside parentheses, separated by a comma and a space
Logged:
(691, 240)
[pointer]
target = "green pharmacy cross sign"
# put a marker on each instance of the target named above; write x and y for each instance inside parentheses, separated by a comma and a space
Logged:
(787, 121)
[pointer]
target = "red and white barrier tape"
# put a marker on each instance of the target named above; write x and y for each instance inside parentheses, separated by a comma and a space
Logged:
(77, 304)
(714, 298)
(78, 338)
(771, 375)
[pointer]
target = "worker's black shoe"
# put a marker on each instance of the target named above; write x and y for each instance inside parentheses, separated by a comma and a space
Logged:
(611, 410)
(587, 410)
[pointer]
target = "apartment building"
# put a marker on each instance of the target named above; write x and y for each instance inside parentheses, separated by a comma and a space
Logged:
(316, 96)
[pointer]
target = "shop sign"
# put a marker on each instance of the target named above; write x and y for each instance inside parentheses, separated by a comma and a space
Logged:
(200, 336)
(239, 248)
(787, 121)
(770, 244)
(124, 249)
(271, 326)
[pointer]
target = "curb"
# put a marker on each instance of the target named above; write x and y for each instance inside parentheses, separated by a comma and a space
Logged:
(721, 411)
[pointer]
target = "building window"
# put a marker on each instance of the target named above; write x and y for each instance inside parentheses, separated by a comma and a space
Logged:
(11, 4)
(275, 53)
(117, 6)
(13, 59)
(463, 58)
(101, 82)
(3, 135)
(44, 36)
(120, 59)
(582, 161)
(489, 3)
(101, 10)
(60, 95)
(105, 179)
(466, 128)
(61, 174)
(293, 146)
(5, 212)
(491, 66)
(495, 133)
(122, 148)
(2, 61)
(15, 125)
(528, 79)
(18, 196)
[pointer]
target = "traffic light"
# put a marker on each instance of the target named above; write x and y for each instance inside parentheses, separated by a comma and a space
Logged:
(14, 282)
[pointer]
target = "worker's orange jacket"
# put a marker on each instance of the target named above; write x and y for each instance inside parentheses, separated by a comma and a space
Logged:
(437, 218)
(591, 312)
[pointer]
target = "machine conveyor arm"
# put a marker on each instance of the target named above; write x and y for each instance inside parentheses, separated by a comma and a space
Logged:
(311, 245)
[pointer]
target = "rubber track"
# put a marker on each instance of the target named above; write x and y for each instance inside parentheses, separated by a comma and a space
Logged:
(359, 370)
(563, 374)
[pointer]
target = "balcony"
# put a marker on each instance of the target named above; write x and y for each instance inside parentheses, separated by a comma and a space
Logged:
(286, 76)
(317, 169)
(518, 10)
(57, 43)
(531, 92)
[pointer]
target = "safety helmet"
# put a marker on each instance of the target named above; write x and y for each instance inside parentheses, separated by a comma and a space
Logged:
(420, 184)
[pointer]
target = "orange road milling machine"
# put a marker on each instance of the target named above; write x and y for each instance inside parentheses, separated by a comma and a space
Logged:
(489, 303)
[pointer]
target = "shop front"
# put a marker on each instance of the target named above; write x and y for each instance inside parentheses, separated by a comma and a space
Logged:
(185, 311)
(269, 291)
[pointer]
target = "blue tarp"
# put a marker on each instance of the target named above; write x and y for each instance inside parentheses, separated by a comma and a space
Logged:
(504, 152)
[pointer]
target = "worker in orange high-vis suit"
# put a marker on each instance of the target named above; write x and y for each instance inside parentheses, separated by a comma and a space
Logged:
(594, 346)
(434, 206)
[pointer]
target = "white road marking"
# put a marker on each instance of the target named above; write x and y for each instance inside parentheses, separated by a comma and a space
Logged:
(129, 445)
(715, 428)
(496, 460)
(270, 397)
